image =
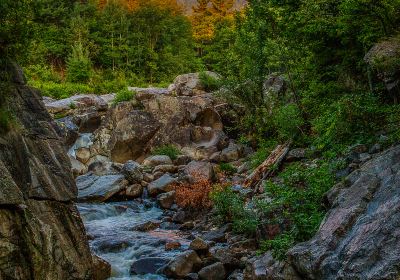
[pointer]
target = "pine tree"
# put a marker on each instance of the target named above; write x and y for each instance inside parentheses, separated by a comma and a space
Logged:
(221, 8)
(79, 65)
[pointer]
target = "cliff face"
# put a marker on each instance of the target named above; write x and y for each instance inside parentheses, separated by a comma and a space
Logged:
(41, 233)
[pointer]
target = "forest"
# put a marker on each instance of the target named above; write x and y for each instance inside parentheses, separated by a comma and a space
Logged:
(334, 66)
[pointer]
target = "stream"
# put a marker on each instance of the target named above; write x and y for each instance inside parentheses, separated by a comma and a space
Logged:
(111, 235)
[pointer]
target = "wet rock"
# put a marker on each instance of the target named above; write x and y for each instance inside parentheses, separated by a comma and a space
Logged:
(78, 168)
(134, 191)
(101, 268)
(179, 217)
(198, 245)
(148, 266)
(154, 161)
(182, 265)
(99, 188)
(360, 228)
(237, 275)
(200, 170)
(165, 200)
(213, 272)
(83, 155)
(132, 172)
(67, 130)
(147, 226)
(173, 245)
(148, 177)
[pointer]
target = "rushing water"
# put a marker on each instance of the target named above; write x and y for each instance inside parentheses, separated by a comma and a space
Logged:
(110, 230)
(109, 225)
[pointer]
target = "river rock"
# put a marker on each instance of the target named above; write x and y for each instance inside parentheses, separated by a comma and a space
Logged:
(67, 130)
(166, 168)
(200, 170)
(161, 185)
(134, 191)
(147, 226)
(215, 271)
(166, 200)
(132, 172)
(173, 245)
(41, 232)
(99, 188)
(198, 244)
(78, 168)
(83, 155)
(148, 265)
(217, 235)
(101, 268)
(154, 161)
(360, 228)
(182, 265)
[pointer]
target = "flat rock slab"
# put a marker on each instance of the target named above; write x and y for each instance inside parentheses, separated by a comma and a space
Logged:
(99, 188)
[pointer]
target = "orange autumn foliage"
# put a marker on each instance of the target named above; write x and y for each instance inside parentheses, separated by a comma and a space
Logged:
(195, 195)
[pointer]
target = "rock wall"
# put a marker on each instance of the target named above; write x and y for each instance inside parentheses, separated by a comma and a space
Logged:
(41, 233)
(360, 236)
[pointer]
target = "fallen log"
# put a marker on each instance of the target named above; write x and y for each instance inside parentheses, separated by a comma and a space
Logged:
(266, 169)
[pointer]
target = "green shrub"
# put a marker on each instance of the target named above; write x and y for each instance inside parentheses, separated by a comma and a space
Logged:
(287, 121)
(123, 95)
(295, 204)
(231, 207)
(61, 90)
(227, 168)
(209, 83)
(167, 150)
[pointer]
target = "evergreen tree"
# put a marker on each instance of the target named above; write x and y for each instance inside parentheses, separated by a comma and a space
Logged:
(79, 64)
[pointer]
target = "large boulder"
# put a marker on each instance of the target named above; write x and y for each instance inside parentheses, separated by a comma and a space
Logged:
(182, 265)
(41, 233)
(190, 84)
(215, 271)
(124, 133)
(75, 102)
(191, 123)
(384, 58)
(132, 171)
(200, 170)
(99, 188)
(101, 268)
(359, 237)
(148, 265)
(162, 185)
